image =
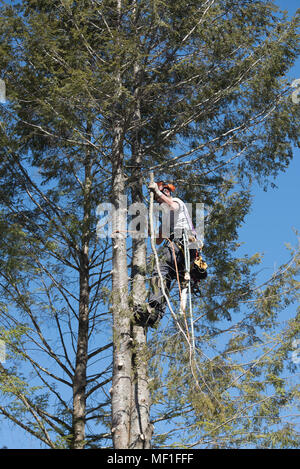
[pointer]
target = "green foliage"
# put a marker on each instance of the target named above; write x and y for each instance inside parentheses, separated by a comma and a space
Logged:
(197, 92)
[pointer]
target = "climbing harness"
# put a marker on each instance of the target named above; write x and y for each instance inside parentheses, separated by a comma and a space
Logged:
(193, 273)
(188, 280)
(199, 269)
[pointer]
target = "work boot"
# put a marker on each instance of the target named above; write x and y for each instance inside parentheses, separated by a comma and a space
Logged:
(145, 316)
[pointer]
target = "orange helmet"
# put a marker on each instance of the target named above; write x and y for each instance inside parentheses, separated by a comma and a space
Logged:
(165, 185)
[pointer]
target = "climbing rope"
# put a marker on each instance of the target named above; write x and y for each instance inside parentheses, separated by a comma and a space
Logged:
(188, 278)
(183, 292)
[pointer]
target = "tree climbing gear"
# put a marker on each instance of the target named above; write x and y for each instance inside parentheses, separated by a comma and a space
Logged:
(199, 268)
(182, 258)
(194, 272)
(187, 287)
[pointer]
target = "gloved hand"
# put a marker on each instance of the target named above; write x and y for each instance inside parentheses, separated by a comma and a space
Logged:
(154, 188)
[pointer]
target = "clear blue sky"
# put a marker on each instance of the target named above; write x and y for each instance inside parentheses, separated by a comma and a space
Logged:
(269, 226)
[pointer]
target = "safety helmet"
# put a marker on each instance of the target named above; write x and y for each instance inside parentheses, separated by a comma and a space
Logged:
(165, 185)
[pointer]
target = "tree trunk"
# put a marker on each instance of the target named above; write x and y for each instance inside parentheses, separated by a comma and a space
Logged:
(122, 376)
(79, 381)
(130, 395)
(141, 429)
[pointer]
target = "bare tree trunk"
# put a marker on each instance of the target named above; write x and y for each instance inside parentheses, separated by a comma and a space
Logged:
(130, 395)
(122, 375)
(141, 429)
(121, 391)
(79, 380)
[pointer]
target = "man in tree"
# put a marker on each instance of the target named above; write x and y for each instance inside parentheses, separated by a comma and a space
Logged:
(175, 222)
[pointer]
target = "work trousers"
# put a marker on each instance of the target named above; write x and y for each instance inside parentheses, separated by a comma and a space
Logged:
(172, 255)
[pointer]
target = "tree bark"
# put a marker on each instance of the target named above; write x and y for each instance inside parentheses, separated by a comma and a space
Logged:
(130, 395)
(141, 429)
(122, 376)
(79, 380)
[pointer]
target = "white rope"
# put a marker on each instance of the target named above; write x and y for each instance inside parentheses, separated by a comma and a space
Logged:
(186, 335)
(187, 269)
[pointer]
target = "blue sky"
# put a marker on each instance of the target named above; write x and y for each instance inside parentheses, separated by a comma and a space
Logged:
(276, 213)
(268, 227)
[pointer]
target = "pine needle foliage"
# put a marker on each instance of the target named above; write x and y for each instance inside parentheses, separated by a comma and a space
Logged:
(99, 94)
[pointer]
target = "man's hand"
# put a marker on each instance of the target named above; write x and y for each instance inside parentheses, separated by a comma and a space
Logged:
(154, 188)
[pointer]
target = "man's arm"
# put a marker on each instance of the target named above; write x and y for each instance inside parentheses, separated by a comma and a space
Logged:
(171, 203)
(168, 200)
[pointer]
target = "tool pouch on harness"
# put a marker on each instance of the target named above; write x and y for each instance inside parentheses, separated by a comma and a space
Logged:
(199, 269)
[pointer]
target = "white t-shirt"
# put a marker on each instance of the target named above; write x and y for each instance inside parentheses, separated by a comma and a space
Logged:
(180, 216)
(181, 220)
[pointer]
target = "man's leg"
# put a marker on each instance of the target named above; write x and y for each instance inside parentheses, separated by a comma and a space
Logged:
(171, 267)
(172, 259)
(157, 300)
(151, 313)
